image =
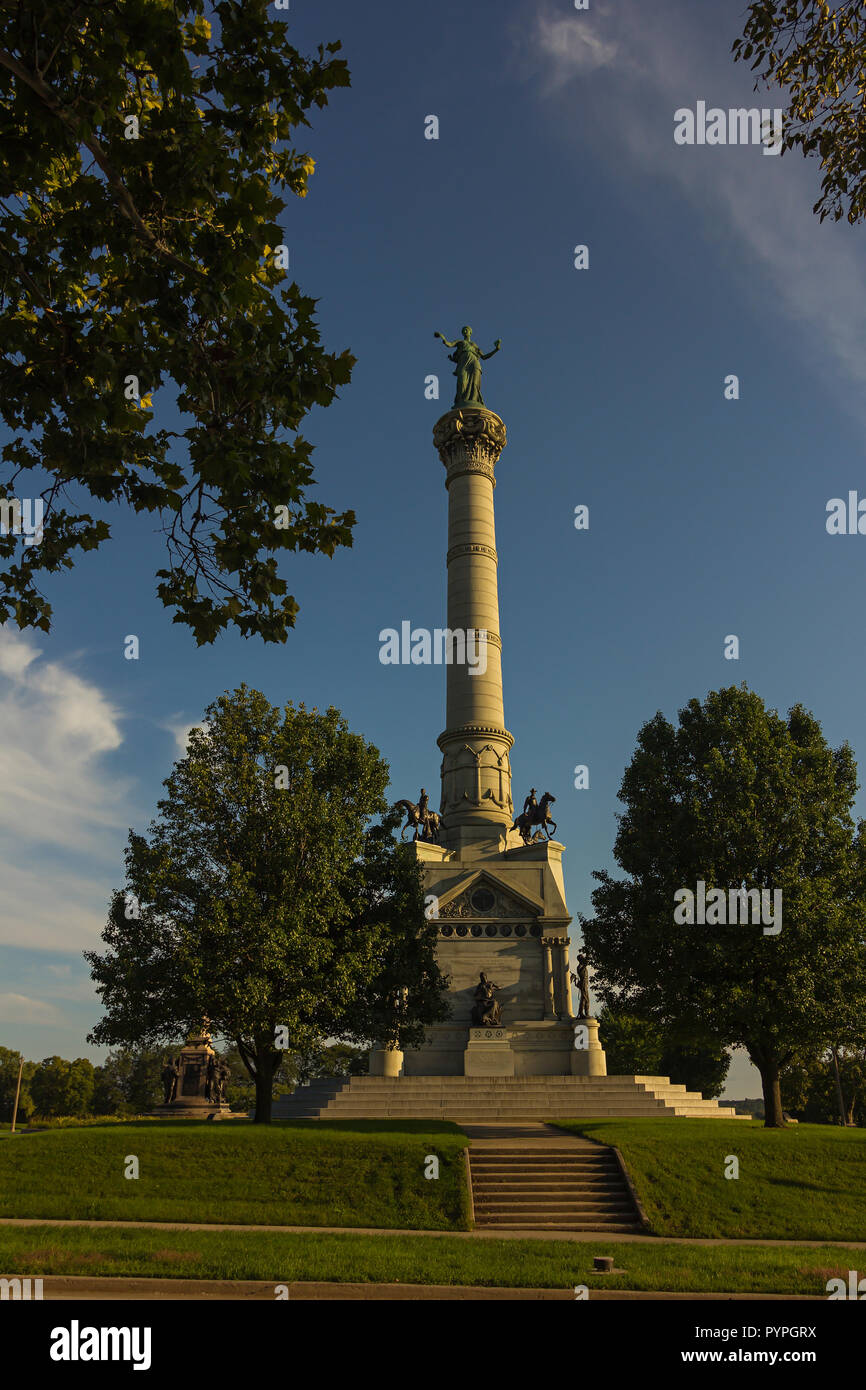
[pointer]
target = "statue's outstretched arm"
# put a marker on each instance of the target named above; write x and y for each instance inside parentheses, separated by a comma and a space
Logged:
(496, 346)
(445, 340)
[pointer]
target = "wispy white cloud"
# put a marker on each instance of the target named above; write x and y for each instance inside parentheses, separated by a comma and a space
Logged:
(20, 1008)
(629, 68)
(63, 813)
(180, 730)
(572, 46)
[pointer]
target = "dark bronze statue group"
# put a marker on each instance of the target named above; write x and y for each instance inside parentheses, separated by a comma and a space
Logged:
(217, 1076)
(427, 824)
(487, 1012)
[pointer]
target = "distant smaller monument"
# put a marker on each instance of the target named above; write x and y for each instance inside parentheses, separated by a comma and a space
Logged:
(194, 1082)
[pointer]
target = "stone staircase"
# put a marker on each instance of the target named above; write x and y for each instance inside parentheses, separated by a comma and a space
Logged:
(551, 1187)
(468, 1098)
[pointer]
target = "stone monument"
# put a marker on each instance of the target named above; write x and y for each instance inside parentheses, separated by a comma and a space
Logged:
(496, 880)
(194, 1082)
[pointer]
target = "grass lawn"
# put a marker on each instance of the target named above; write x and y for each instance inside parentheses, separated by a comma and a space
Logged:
(44, 1250)
(295, 1173)
(803, 1183)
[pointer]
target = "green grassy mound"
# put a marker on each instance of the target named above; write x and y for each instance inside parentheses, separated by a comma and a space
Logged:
(46, 1250)
(803, 1183)
(294, 1173)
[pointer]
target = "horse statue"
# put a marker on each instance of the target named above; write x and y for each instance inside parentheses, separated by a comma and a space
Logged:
(536, 815)
(427, 824)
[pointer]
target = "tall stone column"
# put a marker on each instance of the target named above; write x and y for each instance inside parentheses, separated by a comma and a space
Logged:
(476, 771)
(549, 994)
(565, 1008)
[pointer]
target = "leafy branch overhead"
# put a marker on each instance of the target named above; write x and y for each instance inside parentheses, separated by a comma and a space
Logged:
(145, 148)
(817, 53)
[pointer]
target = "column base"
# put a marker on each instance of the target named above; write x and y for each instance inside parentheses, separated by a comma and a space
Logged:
(386, 1061)
(588, 1060)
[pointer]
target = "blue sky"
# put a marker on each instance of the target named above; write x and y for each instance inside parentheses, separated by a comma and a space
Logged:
(707, 516)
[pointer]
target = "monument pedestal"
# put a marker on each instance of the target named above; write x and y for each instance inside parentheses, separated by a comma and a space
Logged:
(386, 1061)
(488, 1053)
(197, 1093)
(587, 1060)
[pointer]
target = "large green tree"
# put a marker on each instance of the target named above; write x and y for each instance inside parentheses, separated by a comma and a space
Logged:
(128, 1082)
(816, 53)
(739, 798)
(641, 1046)
(145, 147)
(10, 1061)
(59, 1087)
(811, 1088)
(267, 897)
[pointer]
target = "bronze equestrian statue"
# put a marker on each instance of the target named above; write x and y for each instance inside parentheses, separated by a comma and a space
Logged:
(427, 823)
(535, 815)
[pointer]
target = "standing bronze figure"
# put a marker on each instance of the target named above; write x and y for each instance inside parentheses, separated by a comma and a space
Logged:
(581, 980)
(468, 369)
(169, 1075)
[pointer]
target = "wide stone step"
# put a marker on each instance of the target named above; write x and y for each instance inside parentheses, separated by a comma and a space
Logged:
(528, 1190)
(458, 1113)
(556, 1156)
(493, 1202)
(611, 1227)
(546, 1172)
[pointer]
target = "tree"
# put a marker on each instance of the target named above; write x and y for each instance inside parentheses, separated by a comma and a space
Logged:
(241, 1089)
(9, 1064)
(810, 1092)
(128, 1082)
(59, 1087)
(336, 1060)
(744, 801)
(818, 56)
(264, 897)
(638, 1046)
(144, 151)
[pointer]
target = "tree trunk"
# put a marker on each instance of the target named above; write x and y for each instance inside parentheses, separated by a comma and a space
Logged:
(839, 1096)
(264, 1085)
(773, 1116)
(852, 1106)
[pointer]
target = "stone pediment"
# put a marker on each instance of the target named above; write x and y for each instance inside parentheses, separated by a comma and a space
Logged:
(484, 897)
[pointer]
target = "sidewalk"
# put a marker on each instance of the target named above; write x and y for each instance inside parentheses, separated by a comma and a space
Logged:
(488, 1233)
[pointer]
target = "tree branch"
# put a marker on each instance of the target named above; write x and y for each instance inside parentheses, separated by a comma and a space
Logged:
(127, 206)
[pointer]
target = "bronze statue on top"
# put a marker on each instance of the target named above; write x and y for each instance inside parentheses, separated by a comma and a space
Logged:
(427, 823)
(468, 369)
(535, 813)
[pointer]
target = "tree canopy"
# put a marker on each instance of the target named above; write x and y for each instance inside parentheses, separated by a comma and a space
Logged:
(747, 802)
(639, 1046)
(145, 147)
(270, 896)
(817, 54)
